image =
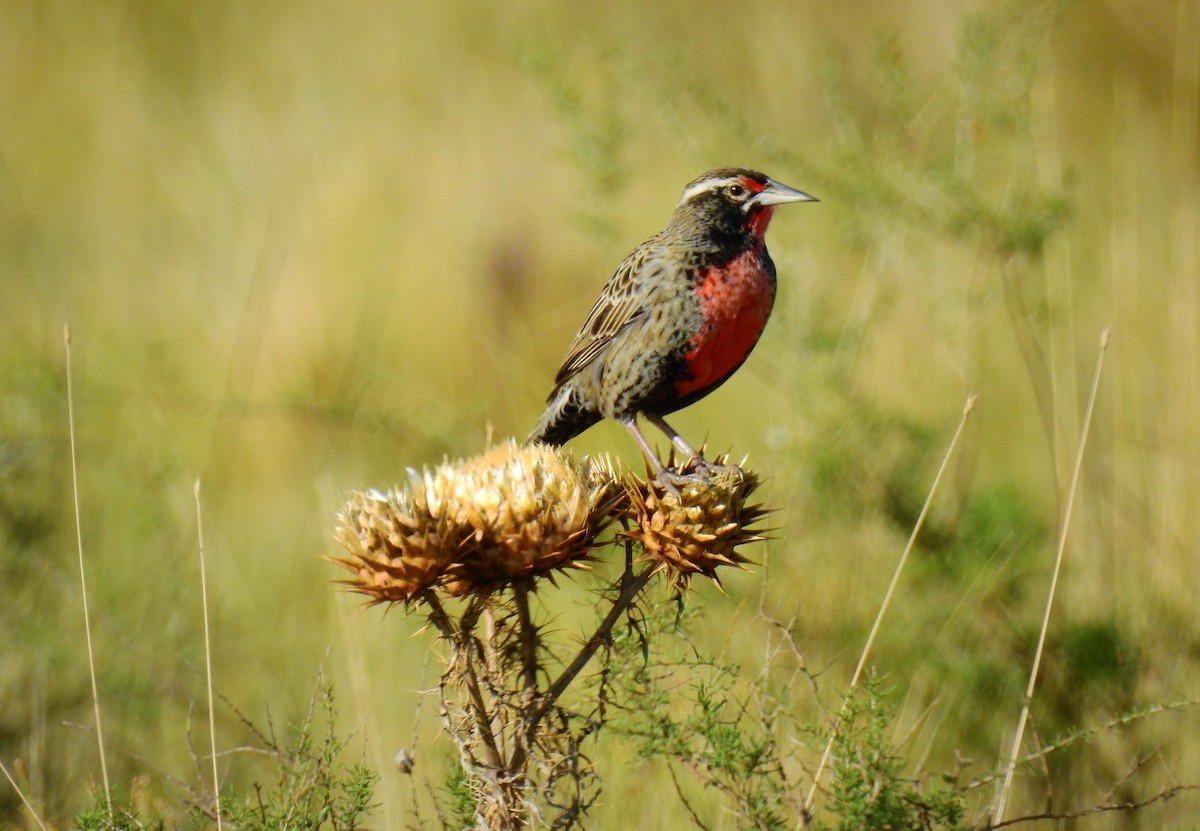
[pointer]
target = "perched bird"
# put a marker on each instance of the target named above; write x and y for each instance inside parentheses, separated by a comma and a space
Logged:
(678, 317)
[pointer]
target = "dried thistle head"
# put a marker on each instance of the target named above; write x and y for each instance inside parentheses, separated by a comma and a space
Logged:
(514, 512)
(700, 529)
(398, 544)
(531, 510)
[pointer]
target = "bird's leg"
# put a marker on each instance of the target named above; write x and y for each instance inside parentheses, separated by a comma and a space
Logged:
(650, 455)
(660, 472)
(686, 449)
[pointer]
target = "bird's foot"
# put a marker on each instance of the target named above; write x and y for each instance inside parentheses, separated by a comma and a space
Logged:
(697, 472)
(696, 465)
(669, 478)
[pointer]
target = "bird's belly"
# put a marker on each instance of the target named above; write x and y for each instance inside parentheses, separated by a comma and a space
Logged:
(735, 301)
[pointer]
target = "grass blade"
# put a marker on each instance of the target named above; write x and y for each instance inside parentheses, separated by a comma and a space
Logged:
(87, 622)
(1002, 796)
(208, 674)
(887, 599)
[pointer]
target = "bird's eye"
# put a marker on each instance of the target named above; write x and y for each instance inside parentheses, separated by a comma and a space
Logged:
(737, 191)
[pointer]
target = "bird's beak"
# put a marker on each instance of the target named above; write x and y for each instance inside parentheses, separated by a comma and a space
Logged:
(777, 194)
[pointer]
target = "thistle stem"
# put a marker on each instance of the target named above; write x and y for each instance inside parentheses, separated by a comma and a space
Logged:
(630, 588)
(529, 670)
(461, 641)
(529, 638)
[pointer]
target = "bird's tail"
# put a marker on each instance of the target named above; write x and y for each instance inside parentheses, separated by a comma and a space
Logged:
(565, 418)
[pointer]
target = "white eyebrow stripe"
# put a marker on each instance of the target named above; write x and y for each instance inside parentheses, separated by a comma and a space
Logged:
(707, 185)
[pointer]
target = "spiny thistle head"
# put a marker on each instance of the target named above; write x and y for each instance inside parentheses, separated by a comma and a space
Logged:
(700, 529)
(398, 543)
(475, 526)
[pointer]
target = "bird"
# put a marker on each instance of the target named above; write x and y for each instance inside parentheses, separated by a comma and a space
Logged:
(677, 318)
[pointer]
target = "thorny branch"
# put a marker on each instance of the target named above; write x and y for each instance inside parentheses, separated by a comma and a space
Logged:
(502, 713)
(1131, 805)
(461, 641)
(631, 587)
(1071, 739)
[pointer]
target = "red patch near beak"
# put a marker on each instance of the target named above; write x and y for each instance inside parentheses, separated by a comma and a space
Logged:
(760, 217)
(755, 187)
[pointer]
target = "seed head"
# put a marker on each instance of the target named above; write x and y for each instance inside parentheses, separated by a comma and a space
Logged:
(477, 525)
(399, 544)
(699, 530)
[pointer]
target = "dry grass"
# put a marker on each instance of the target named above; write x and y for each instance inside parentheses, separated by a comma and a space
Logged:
(83, 592)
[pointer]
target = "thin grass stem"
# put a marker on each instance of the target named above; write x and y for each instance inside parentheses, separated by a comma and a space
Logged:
(212, 720)
(887, 599)
(87, 621)
(1005, 788)
(21, 794)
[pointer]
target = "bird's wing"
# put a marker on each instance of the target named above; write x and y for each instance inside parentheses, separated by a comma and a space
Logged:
(620, 305)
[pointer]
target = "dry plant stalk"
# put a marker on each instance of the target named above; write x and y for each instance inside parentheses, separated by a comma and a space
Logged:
(24, 799)
(1010, 769)
(208, 673)
(83, 593)
(469, 542)
(811, 799)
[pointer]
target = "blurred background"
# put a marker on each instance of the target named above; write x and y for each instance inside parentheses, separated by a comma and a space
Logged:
(304, 246)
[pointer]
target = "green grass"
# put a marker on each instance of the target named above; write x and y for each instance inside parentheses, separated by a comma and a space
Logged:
(302, 248)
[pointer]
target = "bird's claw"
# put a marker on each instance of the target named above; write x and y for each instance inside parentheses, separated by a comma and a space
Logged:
(696, 471)
(669, 478)
(675, 478)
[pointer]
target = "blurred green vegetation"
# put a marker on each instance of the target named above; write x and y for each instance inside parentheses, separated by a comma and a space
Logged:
(303, 246)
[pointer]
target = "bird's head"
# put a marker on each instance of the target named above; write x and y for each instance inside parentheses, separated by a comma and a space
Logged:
(733, 201)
